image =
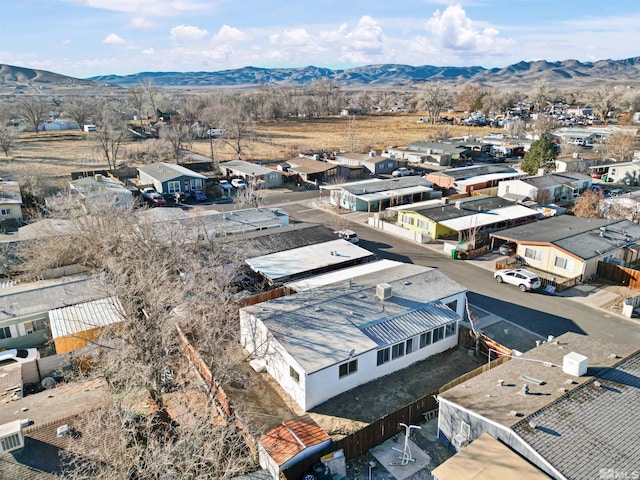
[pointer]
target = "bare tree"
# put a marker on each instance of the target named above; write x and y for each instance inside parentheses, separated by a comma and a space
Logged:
(151, 96)
(604, 100)
(239, 130)
(469, 99)
(588, 204)
(544, 124)
(136, 98)
(160, 280)
(7, 130)
(252, 196)
(80, 109)
(621, 146)
(110, 134)
(434, 98)
(176, 134)
(33, 110)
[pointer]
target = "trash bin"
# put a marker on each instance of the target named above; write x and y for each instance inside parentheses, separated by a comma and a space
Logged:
(454, 254)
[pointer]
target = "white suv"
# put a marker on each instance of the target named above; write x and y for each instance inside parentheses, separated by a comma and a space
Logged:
(523, 279)
(348, 235)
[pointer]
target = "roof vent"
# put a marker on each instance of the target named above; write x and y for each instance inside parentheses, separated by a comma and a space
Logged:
(533, 425)
(383, 291)
(500, 382)
(524, 390)
(575, 364)
(597, 384)
(514, 413)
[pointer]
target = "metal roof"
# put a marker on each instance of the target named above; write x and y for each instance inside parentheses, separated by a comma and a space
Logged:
(10, 192)
(600, 241)
(363, 187)
(168, 171)
(40, 297)
(320, 326)
(342, 275)
(247, 168)
(488, 177)
(371, 197)
(84, 316)
(592, 428)
(552, 229)
(396, 329)
(306, 259)
(491, 217)
(474, 170)
(556, 179)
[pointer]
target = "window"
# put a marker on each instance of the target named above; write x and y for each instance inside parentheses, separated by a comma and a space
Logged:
(533, 254)
(453, 305)
(450, 329)
(173, 187)
(5, 211)
(383, 356)
(5, 332)
(409, 348)
(39, 325)
(397, 350)
(294, 374)
(465, 429)
(563, 263)
(348, 368)
(438, 334)
(425, 339)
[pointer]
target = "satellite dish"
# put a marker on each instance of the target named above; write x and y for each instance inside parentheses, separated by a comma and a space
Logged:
(352, 353)
(48, 383)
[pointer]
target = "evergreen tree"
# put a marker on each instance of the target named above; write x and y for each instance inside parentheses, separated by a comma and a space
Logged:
(542, 154)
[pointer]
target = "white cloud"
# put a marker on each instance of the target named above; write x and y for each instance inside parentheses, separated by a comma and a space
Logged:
(292, 38)
(146, 7)
(455, 31)
(113, 39)
(148, 51)
(230, 34)
(364, 43)
(66, 41)
(140, 23)
(187, 34)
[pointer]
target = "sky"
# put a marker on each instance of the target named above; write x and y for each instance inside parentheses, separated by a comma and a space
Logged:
(84, 38)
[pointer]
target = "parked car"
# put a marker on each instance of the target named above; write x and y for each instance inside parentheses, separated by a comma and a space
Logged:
(157, 200)
(521, 278)
(148, 191)
(19, 355)
(596, 175)
(348, 235)
(198, 196)
(238, 183)
(508, 248)
(402, 172)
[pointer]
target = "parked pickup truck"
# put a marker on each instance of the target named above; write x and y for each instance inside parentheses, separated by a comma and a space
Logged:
(147, 192)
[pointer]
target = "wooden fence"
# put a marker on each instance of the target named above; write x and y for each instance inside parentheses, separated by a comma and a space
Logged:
(618, 274)
(545, 282)
(264, 296)
(220, 401)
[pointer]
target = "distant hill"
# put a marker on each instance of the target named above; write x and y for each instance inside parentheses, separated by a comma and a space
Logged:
(568, 73)
(15, 80)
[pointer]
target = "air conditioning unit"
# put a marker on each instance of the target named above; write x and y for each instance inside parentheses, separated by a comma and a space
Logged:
(460, 441)
(11, 437)
(383, 291)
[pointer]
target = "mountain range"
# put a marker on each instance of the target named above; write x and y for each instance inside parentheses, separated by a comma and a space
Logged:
(567, 73)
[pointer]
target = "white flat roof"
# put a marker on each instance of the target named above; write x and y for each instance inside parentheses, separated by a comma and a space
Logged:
(512, 212)
(489, 177)
(304, 259)
(368, 197)
(84, 316)
(341, 275)
(426, 203)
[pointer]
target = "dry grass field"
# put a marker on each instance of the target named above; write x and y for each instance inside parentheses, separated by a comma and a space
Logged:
(51, 156)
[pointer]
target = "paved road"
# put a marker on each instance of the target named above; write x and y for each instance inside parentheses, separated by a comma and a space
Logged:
(541, 313)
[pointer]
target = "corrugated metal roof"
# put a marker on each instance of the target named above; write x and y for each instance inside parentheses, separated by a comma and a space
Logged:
(513, 212)
(84, 316)
(396, 329)
(247, 168)
(288, 439)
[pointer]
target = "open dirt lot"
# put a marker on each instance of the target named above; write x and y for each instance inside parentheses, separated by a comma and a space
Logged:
(267, 405)
(53, 155)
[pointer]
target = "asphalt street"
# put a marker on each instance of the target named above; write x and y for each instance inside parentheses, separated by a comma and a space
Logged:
(542, 313)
